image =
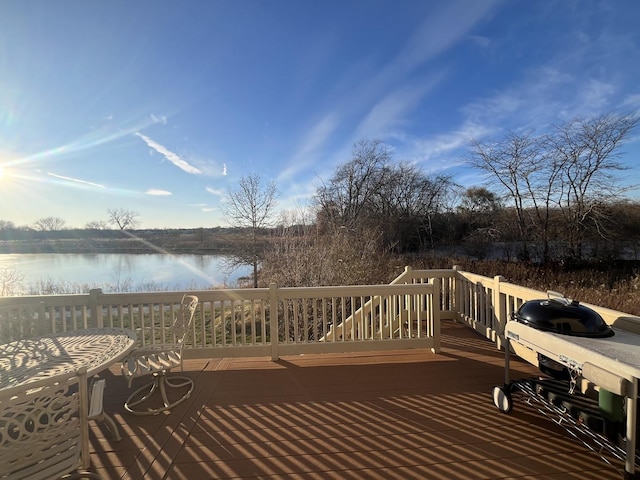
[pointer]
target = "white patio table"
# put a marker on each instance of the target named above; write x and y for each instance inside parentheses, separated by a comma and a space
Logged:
(31, 359)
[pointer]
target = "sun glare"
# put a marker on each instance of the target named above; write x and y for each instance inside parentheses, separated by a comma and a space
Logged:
(1, 172)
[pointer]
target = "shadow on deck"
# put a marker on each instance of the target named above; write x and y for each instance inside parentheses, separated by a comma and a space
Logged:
(391, 415)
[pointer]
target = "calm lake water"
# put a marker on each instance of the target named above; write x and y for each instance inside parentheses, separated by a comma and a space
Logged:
(121, 272)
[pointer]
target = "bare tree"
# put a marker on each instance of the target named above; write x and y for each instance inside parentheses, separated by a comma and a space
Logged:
(585, 153)
(123, 218)
(513, 163)
(571, 169)
(346, 200)
(49, 224)
(97, 225)
(10, 282)
(405, 203)
(431, 195)
(251, 207)
(479, 201)
(7, 225)
(370, 193)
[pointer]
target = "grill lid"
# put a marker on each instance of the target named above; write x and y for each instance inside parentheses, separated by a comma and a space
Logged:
(562, 315)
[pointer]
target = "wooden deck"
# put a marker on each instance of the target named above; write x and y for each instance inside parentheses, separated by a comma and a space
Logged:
(395, 415)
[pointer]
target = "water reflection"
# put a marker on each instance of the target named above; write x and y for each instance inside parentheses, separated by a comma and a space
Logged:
(124, 272)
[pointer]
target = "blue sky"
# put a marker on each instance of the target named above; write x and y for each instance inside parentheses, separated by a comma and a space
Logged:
(159, 106)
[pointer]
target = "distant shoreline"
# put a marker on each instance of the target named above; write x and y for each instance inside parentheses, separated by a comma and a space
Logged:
(201, 241)
(109, 246)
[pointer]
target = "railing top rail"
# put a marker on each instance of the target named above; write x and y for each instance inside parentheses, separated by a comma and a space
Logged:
(98, 297)
(525, 293)
(474, 277)
(46, 300)
(507, 288)
(203, 295)
(410, 274)
(435, 273)
(354, 290)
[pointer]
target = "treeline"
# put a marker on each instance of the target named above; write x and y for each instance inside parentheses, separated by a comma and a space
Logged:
(557, 196)
(553, 199)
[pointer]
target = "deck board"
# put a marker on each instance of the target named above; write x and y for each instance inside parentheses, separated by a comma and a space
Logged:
(391, 415)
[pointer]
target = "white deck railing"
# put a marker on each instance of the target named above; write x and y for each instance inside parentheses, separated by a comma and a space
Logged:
(249, 322)
(283, 321)
(487, 304)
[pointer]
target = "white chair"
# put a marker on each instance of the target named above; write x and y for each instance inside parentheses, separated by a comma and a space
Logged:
(44, 430)
(158, 360)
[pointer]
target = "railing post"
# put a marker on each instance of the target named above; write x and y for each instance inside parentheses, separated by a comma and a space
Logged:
(435, 314)
(499, 315)
(96, 307)
(407, 272)
(457, 294)
(273, 320)
(403, 276)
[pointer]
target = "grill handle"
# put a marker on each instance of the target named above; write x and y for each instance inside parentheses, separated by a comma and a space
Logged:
(560, 298)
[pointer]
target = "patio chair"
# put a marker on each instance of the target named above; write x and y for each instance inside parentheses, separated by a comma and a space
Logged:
(44, 430)
(158, 360)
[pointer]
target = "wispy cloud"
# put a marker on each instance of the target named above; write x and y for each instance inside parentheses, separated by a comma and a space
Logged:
(581, 79)
(310, 146)
(533, 101)
(158, 192)
(438, 32)
(213, 191)
(545, 95)
(596, 93)
(632, 101)
(441, 30)
(554, 91)
(224, 169)
(433, 150)
(495, 108)
(203, 207)
(390, 111)
(169, 155)
(95, 138)
(158, 119)
(76, 180)
(481, 41)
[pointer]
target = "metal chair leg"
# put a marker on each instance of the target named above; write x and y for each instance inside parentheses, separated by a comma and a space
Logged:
(161, 382)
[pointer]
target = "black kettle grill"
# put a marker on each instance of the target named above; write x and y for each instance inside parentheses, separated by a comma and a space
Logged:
(558, 314)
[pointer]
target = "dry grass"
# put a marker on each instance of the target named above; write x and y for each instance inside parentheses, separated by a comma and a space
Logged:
(350, 259)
